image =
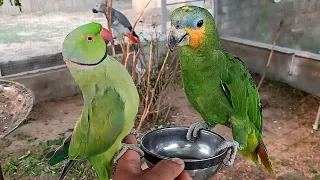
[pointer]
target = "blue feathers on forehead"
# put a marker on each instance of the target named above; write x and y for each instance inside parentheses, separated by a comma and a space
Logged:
(191, 20)
(185, 17)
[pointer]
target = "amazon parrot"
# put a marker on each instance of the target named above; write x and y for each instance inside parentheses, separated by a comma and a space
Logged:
(120, 23)
(217, 85)
(110, 105)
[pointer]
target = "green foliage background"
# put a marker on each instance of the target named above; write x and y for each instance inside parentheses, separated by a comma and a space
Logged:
(13, 3)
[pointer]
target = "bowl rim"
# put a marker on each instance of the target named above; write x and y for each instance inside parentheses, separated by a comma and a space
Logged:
(222, 153)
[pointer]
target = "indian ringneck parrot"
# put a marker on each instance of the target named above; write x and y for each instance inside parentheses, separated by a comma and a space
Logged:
(120, 23)
(218, 85)
(110, 105)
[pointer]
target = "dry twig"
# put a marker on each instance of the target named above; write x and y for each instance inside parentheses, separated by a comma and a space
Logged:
(271, 53)
(134, 63)
(127, 54)
(109, 10)
(134, 25)
(147, 108)
(1, 174)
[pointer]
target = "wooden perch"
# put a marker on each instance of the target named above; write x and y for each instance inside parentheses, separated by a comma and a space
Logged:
(271, 53)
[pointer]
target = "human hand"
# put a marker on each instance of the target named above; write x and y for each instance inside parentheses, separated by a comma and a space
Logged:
(129, 167)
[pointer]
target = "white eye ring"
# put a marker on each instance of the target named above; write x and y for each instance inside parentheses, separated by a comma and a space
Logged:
(89, 38)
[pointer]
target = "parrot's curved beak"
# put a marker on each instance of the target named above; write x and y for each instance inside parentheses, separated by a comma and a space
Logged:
(178, 37)
(106, 35)
(94, 10)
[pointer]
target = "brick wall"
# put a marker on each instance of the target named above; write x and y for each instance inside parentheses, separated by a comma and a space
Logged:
(258, 20)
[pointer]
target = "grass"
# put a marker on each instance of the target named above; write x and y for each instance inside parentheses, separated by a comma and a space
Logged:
(33, 164)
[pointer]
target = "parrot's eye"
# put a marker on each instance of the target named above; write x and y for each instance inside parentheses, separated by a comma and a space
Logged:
(199, 23)
(90, 38)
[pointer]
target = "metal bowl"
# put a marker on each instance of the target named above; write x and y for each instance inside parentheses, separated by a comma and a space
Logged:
(16, 102)
(198, 156)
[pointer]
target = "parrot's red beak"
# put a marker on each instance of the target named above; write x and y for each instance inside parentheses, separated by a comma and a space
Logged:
(106, 35)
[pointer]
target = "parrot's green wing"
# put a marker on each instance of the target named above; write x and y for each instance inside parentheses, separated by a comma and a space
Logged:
(62, 153)
(100, 124)
(244, 97)
(241, 91)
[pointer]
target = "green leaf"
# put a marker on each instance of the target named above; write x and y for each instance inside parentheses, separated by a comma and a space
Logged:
(16, 3)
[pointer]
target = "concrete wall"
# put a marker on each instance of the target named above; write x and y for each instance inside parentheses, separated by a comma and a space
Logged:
(52, 80)
(257, 20)
(57, 82)
(301, 72)
(47, 84)
(39, 62)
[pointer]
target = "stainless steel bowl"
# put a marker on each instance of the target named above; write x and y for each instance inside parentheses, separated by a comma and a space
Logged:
(199, 158)
(16, 102)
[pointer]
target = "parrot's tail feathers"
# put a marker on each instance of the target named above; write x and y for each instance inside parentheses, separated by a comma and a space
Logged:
(254, 157)
(103, 165)
(66, 169)
(61, 154)
(251, 155)
(265, 160)
(132, 38)
(136, 47)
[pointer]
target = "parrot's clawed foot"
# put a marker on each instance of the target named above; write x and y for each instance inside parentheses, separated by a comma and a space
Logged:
(136, 134)
(193, 131)
(125, 147)
(232, 147)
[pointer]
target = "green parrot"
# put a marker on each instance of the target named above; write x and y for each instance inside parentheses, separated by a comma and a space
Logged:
(218, 85)
(110, 105)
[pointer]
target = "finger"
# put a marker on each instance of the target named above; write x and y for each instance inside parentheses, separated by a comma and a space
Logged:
(130, 139)
(166, 170)
(146, 170)
(131, 160)
(184, 176)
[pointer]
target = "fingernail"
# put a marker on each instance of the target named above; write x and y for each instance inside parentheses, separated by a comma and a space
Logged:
(178, 161)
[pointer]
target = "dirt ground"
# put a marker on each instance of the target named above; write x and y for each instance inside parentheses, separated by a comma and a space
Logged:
(288, 115)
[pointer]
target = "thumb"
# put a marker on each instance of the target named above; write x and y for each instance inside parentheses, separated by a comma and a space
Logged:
(166, 170)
